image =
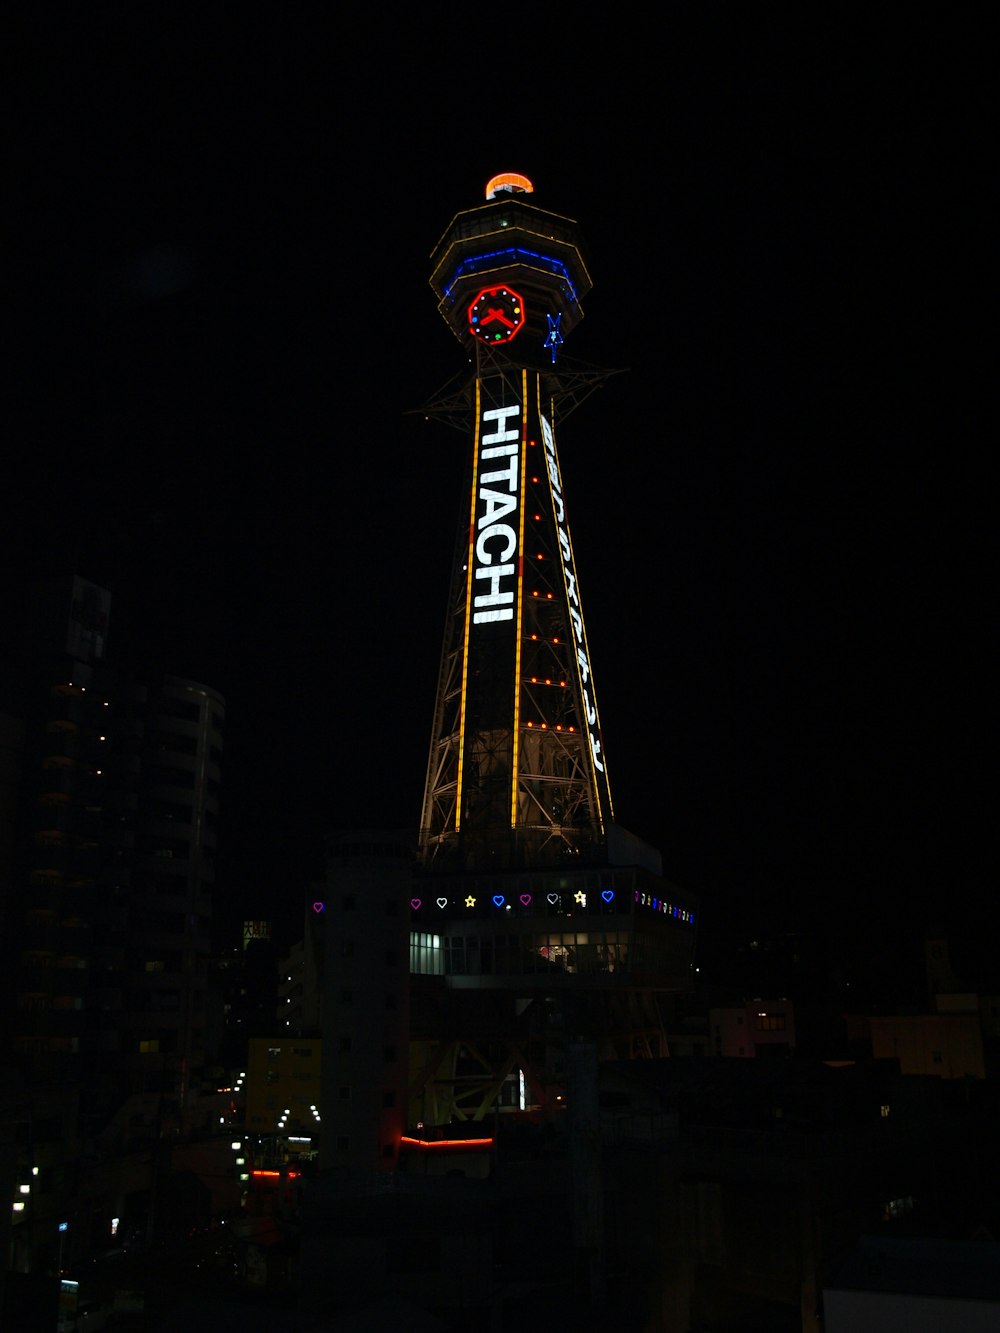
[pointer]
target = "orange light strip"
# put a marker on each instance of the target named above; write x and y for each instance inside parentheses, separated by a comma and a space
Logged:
(515, 757)
(468, 610)
(508, 178)
(438, 1144)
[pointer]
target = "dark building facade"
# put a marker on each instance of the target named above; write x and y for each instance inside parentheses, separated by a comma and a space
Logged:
(110, 803)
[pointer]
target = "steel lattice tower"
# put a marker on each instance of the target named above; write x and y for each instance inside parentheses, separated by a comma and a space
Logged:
(517, 773)
(533, 914)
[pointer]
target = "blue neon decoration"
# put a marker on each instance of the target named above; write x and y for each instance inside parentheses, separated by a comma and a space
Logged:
(513, 255)
(607, 894)
(555, 339)
(498, 900)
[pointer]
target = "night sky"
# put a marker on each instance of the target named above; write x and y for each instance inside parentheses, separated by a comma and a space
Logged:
(220, 239)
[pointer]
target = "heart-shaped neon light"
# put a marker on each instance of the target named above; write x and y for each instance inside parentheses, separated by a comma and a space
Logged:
(553, 898)
(498, 900)
(607, 894)
(524, 899)
(441, 902)
(416, 904)
(318, 907)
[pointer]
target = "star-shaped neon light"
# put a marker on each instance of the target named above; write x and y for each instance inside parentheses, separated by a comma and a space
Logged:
(555, 339)
(470, 901)
(580, 897)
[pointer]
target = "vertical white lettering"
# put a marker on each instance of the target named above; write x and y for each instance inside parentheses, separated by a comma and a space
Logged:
(572, 594)
(493, 558)
(508, 536)
(500, 415)
(507, 474)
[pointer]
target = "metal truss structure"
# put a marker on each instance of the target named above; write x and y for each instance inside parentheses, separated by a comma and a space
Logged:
(515, 774)
(515, 860)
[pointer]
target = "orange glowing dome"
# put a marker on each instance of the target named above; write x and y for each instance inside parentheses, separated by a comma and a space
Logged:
(508, 180)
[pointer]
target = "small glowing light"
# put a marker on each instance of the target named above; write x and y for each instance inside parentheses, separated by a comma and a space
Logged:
(18, 1207)
(34, 1170)
(238, 1144)
(24, 1189)
(114, 1225)
(241, 1161)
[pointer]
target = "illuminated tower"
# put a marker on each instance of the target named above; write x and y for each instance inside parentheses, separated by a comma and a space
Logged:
(533, 914)
(517, 773)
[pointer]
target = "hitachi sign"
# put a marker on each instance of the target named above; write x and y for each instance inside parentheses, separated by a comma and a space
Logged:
(494, 567)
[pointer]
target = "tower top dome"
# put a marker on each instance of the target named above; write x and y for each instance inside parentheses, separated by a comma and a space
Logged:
(508, 182)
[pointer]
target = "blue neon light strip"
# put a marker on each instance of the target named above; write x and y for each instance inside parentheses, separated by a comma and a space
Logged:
(513, 254)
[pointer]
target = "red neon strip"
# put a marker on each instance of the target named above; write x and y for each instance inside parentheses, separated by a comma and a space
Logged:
(276, 1174)
(446, 1143)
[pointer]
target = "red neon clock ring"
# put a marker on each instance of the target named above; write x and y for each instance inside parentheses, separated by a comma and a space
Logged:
(496, 315)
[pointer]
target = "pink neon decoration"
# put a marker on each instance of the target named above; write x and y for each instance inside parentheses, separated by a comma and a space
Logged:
(525, 899)
(416, 904)
(318, 907)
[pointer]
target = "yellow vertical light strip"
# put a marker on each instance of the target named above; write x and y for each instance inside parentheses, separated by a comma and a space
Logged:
(516, 758)
(468, 610)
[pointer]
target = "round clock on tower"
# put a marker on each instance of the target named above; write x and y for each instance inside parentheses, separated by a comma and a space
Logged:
(496, 315)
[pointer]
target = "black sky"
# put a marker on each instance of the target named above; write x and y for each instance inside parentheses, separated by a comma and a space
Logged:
(220, 241)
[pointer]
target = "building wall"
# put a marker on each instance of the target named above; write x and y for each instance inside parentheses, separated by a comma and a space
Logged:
(366, 1002)
(747, 1031)
(945, 1045)
(284, 1074)
(877, 1311)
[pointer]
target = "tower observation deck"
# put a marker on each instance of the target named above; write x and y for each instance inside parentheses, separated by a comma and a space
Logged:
(526, 888)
